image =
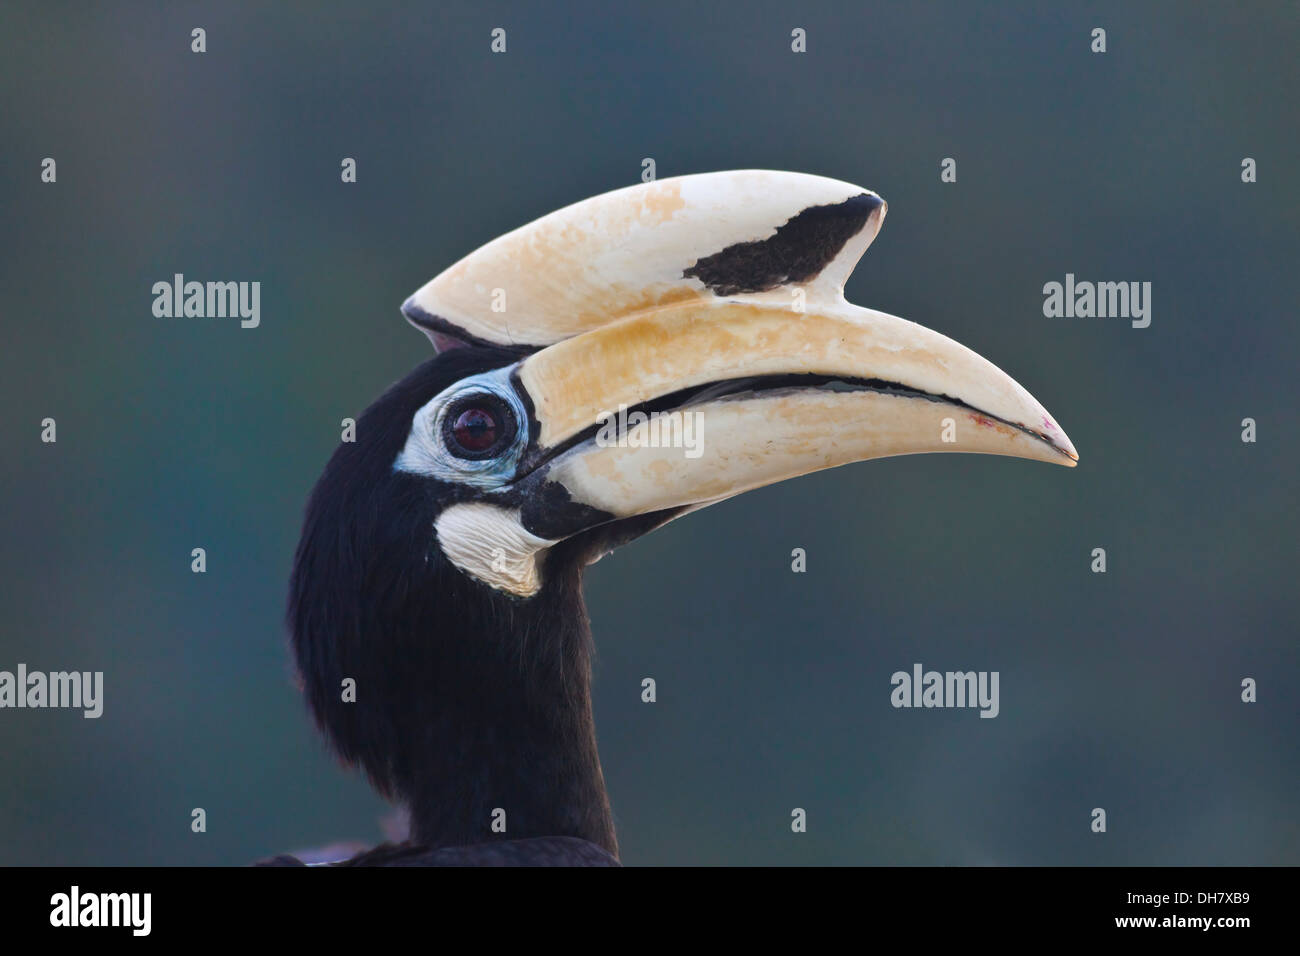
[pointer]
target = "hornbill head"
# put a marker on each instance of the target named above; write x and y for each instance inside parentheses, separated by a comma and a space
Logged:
(601, 371)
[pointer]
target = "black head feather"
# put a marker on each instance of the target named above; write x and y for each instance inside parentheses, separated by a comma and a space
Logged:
(467, 699)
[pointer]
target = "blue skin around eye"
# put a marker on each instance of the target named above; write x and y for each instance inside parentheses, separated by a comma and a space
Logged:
(497, 383)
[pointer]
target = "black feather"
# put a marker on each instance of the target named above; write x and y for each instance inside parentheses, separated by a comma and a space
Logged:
(467, 700)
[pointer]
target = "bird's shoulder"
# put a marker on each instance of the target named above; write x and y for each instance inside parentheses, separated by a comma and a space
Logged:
(537, 851)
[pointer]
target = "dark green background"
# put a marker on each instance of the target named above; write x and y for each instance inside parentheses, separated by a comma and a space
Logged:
(1118, 690)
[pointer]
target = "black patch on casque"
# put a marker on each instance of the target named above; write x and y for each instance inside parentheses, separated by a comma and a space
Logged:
(799, 251)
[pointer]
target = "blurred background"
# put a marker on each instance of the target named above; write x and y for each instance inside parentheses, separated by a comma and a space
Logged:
(1118, 690)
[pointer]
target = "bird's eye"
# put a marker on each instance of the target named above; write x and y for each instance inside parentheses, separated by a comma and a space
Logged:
(479, 427)
(475, 429)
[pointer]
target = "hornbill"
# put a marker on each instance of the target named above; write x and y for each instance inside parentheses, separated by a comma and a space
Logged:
(441, 558)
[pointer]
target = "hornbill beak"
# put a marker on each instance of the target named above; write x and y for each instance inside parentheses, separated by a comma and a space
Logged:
(678, 380)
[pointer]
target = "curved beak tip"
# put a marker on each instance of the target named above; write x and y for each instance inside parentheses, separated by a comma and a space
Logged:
(1069, 457)
(1056, 437)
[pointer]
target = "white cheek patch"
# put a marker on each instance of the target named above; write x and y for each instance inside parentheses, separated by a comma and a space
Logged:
(490, 544)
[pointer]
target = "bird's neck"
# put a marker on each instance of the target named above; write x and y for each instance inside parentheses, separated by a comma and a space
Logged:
(511, 753)
(469, 706)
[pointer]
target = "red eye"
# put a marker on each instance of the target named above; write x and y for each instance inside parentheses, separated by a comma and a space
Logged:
(478, 427)
(475, 429)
